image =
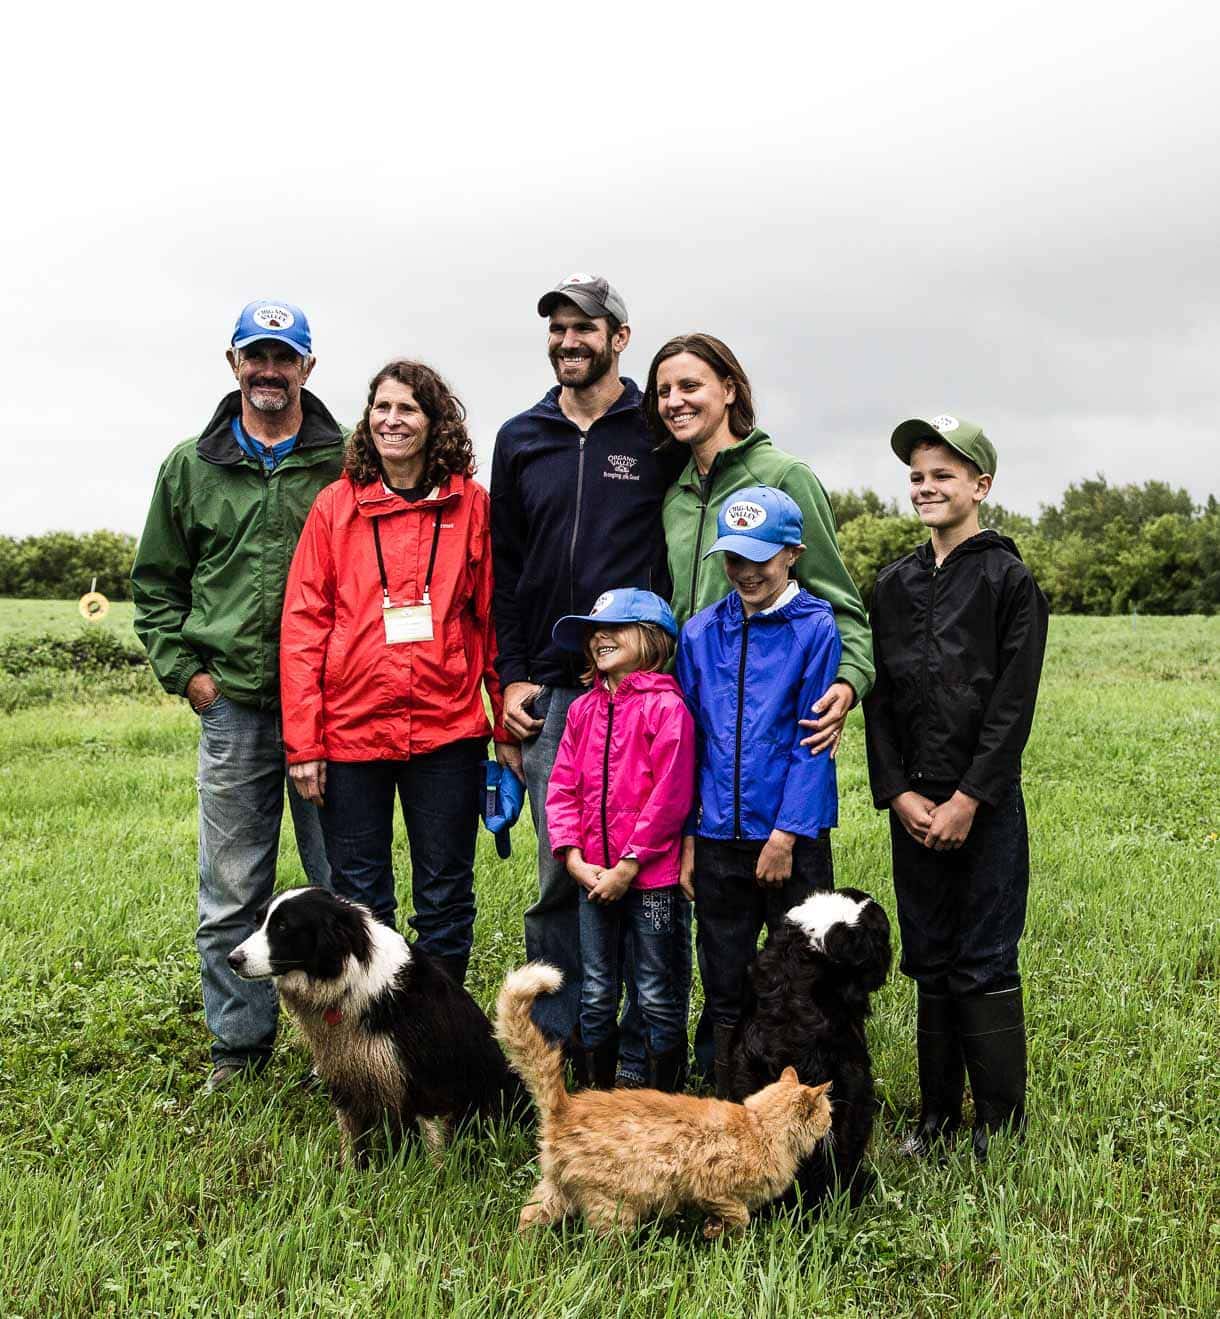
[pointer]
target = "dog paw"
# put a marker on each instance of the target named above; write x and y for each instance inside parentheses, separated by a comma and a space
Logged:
(713, 1227)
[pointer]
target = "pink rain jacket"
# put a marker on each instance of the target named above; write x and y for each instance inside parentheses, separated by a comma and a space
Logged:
(624, 778)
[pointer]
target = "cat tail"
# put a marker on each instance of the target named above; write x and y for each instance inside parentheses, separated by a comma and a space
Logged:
(539, 1063)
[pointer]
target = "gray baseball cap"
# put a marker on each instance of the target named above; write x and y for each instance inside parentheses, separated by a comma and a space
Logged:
(593, 294)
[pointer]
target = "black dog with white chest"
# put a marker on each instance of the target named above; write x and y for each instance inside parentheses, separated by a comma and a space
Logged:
(393, 1036)
(806, 1002)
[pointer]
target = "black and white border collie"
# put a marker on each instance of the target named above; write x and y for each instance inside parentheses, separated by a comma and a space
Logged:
(392, 1035)
(806, 1002)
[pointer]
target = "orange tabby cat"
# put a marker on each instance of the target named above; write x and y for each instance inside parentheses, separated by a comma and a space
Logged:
(616, 1155)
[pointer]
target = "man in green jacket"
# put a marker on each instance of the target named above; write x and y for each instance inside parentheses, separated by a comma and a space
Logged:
(208, 584)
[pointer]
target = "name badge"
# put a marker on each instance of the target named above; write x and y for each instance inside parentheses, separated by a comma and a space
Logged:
(405, 623)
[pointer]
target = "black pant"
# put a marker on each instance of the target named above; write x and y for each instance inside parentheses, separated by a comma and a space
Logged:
(962, 913)
(731, 908)
(439, 793)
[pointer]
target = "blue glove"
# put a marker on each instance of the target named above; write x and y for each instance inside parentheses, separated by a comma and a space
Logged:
(502, 799)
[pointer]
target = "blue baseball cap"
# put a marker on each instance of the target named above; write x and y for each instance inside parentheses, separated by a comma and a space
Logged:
(268, 319)
(625, 604)
(757, 523)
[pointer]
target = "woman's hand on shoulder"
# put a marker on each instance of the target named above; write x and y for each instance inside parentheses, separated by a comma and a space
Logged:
(830, 711)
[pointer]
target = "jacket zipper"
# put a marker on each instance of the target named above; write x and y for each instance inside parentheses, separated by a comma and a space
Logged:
(606, 779)
(694, 572)
(580, 481)
(741, 704)
(927, 645)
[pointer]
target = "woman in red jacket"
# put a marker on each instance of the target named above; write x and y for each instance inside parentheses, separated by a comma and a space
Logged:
(386, 645)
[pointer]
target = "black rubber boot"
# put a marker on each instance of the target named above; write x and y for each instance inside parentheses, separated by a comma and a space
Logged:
(454, 968)
(667, 1071)
(942, 1076)
(992, 1031)
(723, 1038)
(594, 1069)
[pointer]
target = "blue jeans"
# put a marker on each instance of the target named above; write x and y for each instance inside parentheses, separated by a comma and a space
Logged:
(962, 913)
(552, 926)
(241, 804)
(645, 921)
(439, 793)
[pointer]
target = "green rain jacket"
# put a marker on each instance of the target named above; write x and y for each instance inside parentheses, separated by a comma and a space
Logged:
(690, 527)
(208, 579)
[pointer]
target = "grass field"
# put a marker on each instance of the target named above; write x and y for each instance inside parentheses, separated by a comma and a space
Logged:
(124, 1191)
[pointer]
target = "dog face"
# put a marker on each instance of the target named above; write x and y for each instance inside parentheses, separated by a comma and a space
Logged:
(848, 929)
(308, 930)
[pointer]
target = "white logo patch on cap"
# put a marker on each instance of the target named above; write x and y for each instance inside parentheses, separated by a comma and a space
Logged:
(945, 423)
(579, 278)
(744, 515)
(603, 601)
(271, 317)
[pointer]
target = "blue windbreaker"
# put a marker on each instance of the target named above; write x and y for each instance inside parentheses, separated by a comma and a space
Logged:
(747, 682)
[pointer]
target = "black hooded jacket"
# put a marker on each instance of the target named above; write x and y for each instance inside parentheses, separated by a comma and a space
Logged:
(959, 652)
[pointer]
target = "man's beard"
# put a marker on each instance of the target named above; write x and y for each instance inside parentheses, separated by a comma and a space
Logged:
(595, 366)
(269, 403)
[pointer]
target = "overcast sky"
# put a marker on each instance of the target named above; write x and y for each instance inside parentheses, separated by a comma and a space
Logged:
(1009, 212)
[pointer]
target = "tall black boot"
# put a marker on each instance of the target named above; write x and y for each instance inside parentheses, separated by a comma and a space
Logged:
(667, 1071)
(941, 1076)
(992, 1030)
(723, 1037)
(594, 1068)
(454, 967)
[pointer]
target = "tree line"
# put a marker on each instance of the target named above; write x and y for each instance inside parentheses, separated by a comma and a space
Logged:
(1103, 549)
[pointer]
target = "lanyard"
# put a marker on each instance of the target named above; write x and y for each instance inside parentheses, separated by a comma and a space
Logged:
(385, 586)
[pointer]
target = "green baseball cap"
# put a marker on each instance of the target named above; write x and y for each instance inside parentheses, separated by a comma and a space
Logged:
(964, 436)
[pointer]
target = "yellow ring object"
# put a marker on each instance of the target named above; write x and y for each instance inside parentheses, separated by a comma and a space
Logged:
(93, 606)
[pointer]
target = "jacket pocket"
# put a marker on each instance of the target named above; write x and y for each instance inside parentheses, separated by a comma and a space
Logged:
(336, 657)
(453, 660)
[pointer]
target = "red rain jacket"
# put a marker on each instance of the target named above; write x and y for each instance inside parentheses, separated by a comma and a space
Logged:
(345, 693)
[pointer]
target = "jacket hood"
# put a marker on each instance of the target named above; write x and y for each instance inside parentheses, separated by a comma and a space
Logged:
(984, 541)
(690, 473)
(639, 683)
(374, 500)
(216, 444)
(547, 408)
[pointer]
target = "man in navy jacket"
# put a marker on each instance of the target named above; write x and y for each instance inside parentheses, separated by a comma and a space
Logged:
(576, 492)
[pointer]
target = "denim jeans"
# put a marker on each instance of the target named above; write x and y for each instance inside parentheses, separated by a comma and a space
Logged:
(962, 913)
(241, 804)
(646, 921)
(552, 924)
(439, 793)
(730, 911)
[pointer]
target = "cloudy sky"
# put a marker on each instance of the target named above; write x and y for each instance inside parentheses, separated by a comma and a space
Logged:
(1005, 211)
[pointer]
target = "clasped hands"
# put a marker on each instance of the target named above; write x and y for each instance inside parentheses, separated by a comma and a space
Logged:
(601, 884)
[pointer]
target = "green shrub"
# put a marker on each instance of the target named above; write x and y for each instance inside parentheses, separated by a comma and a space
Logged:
(88, 652)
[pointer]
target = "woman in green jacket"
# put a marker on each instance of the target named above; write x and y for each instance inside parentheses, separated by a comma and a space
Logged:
(699, 396)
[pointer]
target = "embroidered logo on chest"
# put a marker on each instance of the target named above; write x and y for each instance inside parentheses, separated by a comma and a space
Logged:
(621, 467)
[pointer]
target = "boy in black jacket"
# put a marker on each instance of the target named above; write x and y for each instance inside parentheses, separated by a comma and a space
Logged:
(959, 630)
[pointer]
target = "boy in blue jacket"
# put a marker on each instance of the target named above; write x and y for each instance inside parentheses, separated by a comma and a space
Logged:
(758, 841)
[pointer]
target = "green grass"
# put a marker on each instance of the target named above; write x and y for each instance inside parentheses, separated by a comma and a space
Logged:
(124, 1191)
(61, 618)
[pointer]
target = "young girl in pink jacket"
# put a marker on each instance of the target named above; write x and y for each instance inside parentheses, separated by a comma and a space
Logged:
(619, 794)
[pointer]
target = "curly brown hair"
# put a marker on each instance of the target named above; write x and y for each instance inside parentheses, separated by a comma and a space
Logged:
(720, 357)
(449, 451)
